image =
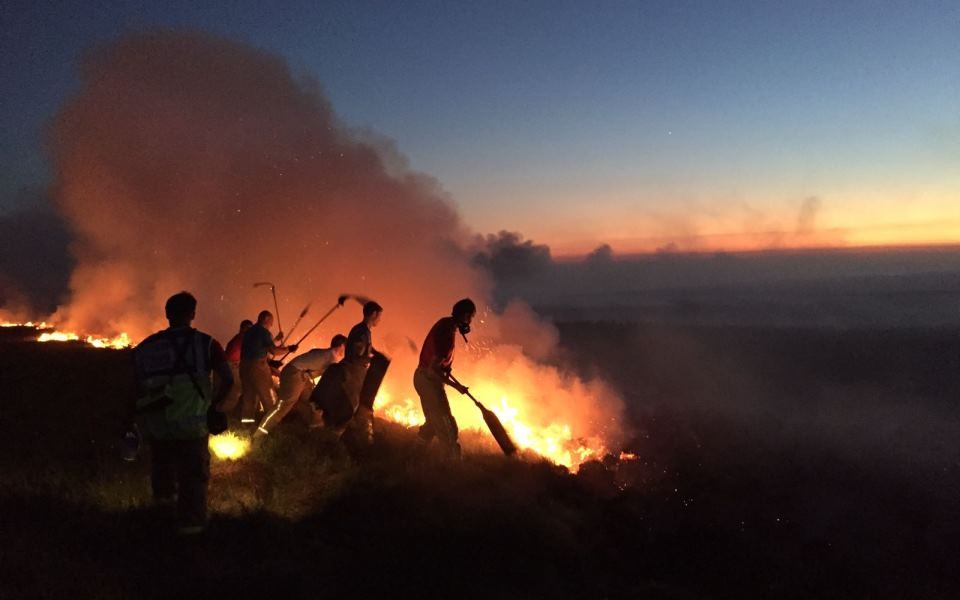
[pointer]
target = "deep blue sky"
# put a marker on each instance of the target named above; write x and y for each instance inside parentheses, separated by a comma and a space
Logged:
(581, 122)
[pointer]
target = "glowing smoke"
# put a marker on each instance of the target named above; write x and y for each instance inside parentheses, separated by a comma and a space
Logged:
(198, 163)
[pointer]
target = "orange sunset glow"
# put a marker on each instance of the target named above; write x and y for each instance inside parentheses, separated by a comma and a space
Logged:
(937, 226)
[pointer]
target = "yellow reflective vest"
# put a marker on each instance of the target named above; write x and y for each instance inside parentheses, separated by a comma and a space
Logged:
(173, 380)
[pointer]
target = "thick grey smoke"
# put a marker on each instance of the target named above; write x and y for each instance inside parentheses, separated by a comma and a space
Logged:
(601, 255)
(511, 258)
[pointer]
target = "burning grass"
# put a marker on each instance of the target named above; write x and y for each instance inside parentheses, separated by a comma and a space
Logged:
(547, 411)
(47, 332)
(554, 441)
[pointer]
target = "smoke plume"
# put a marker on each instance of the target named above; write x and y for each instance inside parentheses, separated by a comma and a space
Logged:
(194, 162)
(511, 258)
(601, 255)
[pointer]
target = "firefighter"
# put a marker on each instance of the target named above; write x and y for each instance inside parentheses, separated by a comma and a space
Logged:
(344, 393)
(296, 384)
(256, 379)
(365, 367)
(433, 372)
(175, 394)
(360, 339)
(233, 359)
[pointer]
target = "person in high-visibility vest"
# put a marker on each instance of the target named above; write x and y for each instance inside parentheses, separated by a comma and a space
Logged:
(174, 370)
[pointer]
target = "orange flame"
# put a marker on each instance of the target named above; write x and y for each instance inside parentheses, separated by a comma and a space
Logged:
(405, 411)
(118, 342)
(554, 441)
(38, 325)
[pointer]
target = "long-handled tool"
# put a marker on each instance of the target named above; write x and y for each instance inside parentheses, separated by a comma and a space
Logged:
(276, 305)
(343, 298)
(303, 313)
(493, 424)
(361, 300)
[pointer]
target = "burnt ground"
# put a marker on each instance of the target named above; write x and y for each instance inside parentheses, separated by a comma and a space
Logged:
(773, 463)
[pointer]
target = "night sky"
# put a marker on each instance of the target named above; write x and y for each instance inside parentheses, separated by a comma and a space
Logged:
(699, 124)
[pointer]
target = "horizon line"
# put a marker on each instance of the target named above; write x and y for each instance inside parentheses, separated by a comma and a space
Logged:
(878, 248)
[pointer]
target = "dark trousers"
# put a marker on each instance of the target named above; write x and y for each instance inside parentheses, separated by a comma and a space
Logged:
(439, 421)
(181, 468)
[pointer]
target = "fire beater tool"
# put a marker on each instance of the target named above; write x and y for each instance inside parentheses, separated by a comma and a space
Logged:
(276, 305)
(340, 301)
(493, 424)
(303, 313)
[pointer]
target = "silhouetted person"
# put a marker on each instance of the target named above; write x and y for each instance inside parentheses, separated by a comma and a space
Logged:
(233, 359)
(359, 359)
(296, 384)
(343, 393)
(175, 393)
(256, 378)
(433, 372)
(360, 339)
